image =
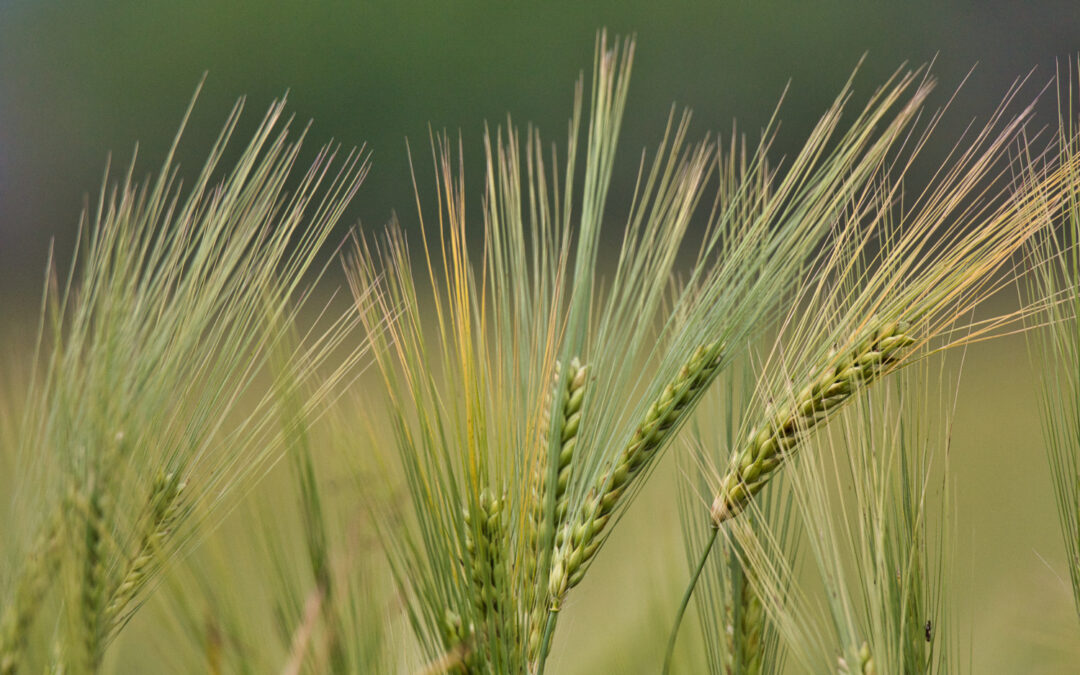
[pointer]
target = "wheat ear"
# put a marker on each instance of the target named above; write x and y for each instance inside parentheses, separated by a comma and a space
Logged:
(567, 402)
(770, 444)
(41, 564)
(583, 535)
(164, 508)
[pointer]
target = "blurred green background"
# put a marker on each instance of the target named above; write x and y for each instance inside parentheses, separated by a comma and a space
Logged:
(81, 80)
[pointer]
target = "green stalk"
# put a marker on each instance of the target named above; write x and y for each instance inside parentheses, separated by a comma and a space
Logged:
(545, 642)
(670, 652)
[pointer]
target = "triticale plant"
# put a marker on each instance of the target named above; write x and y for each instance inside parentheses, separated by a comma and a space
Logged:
(165, 509)
(904, 285)
(199, 465)
(537, 347)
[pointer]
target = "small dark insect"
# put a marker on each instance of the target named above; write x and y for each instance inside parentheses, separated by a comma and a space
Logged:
(929, 628)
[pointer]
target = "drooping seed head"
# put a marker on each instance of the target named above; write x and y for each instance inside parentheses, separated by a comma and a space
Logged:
(771, 443)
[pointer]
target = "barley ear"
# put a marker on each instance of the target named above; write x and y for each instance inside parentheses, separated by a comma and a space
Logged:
(93, 579)
(749, 625)
(572, 399)
(485, 546)
(164, 508)
(769, 444)
(459, 657)
(583, 534)
(566, 401)
(37, 575)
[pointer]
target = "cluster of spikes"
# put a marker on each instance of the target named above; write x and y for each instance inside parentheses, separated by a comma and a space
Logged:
(106, 597)
(515, 410)
(574, 541)
(582, 536)
(154, 390)
(492, 568)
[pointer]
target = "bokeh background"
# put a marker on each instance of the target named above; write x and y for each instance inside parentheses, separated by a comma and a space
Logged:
(79, 81)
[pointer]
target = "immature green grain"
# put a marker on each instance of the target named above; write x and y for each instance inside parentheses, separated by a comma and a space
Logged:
(538, 494)
(484, 542)
(663, 416)
(747, 631)
(163, 513)
(730, 662)
(567, 402)
(863, 662)
(94, 576)
(37, 576)
(459, 658)
(744, 623)
(572, 398)
(769, 444)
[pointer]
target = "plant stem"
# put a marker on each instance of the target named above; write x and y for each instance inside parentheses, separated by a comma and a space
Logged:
(686, 600)
(545, 642)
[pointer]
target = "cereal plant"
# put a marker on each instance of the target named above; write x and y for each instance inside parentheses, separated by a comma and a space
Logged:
(223, 463)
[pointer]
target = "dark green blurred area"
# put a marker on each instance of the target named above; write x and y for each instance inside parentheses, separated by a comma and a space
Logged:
(81, 80)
